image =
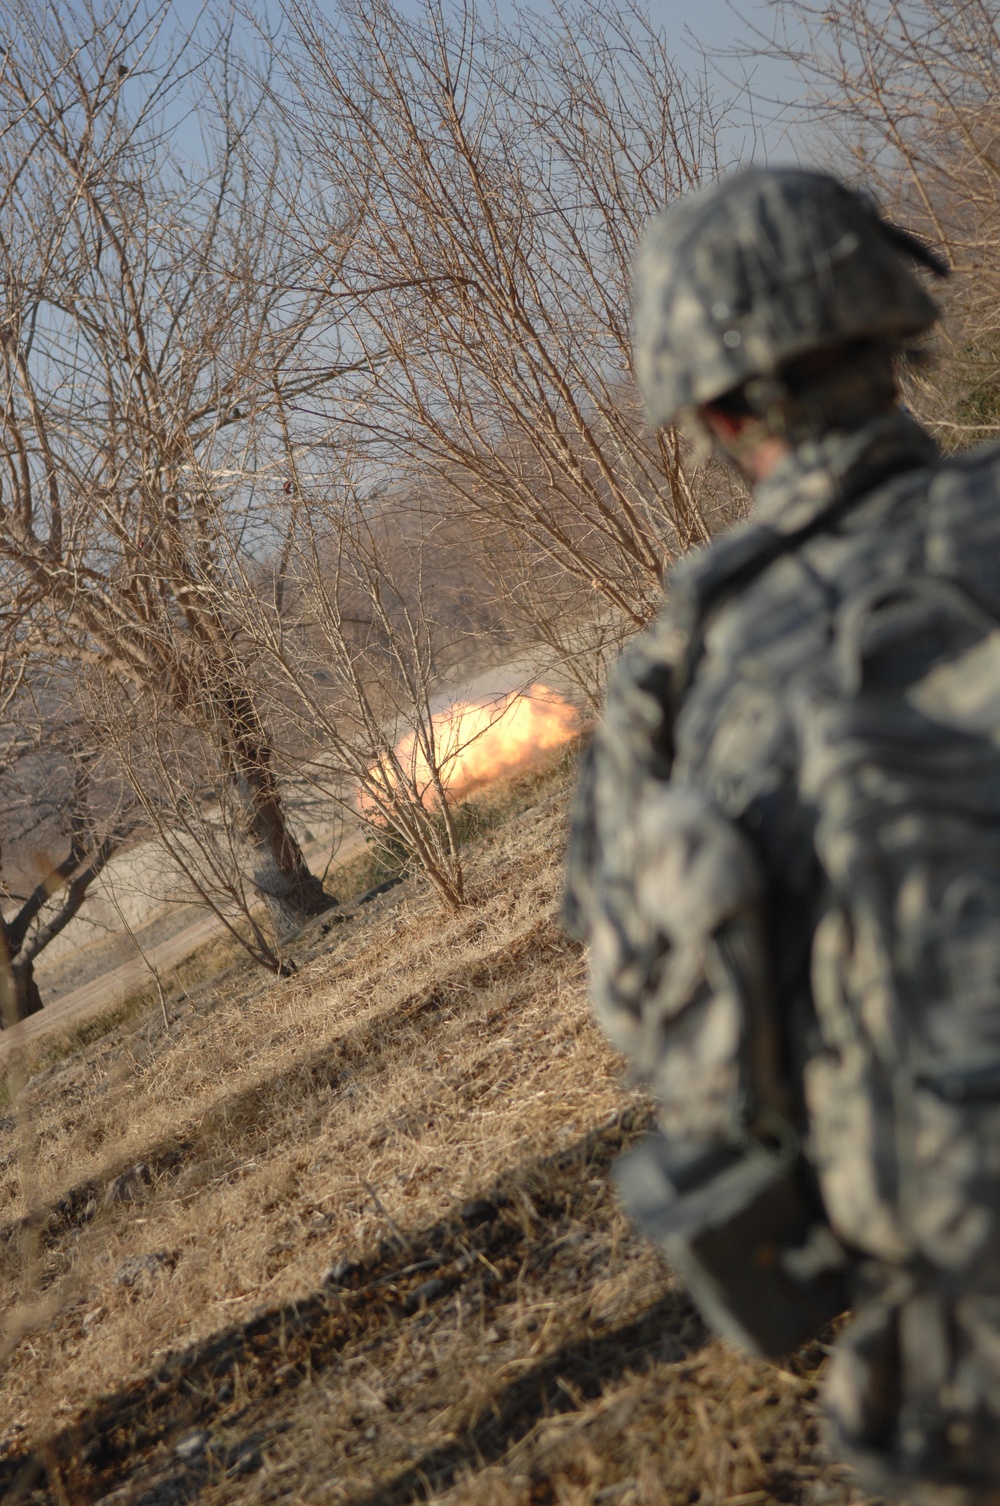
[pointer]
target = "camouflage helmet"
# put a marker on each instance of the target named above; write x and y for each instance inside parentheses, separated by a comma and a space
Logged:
(737, 280)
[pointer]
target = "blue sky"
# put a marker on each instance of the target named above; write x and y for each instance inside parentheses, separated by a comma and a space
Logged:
(717, 28)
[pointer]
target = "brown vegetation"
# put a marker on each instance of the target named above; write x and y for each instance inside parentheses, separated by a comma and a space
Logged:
(293, 439)
(350, 1237)
(496, 181)
(909, 92)
(63, 829)
(134, 370)
(297, 426)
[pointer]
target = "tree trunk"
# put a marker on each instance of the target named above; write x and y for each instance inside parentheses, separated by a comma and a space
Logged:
(27, 999)
(281, 875)
(19, 994)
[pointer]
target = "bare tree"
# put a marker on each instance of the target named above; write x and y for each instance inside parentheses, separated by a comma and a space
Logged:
(169, 763)
(61, 816)
(149, 321)
(499, 180)
(44, 908)
(354, 640)
(909, 93)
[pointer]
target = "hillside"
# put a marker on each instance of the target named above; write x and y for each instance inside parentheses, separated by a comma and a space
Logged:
(349, 1237)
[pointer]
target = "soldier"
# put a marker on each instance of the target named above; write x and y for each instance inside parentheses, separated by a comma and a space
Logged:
(785, 850)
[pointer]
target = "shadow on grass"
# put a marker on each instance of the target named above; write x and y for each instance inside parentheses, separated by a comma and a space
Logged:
(361, 1048)
(151, 1443)
(577, 1372)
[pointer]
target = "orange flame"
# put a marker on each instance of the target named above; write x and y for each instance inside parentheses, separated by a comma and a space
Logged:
(475, 742)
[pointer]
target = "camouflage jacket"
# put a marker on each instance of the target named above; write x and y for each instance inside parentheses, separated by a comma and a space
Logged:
(697, 739)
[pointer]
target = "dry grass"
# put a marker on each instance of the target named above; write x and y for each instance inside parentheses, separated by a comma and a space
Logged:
(44, 1052)
(383, 1262)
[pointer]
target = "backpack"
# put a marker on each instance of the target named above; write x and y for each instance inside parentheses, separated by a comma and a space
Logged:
(899, 757)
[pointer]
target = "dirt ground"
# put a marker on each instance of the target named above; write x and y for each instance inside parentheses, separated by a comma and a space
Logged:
(349, 1237)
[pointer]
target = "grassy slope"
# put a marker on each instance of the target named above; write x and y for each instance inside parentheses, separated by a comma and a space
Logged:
(384, 1261)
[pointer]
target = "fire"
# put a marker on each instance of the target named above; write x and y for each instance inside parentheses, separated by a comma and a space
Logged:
(478, 741)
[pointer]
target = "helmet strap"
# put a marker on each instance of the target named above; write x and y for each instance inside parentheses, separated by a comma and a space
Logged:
(842, 388)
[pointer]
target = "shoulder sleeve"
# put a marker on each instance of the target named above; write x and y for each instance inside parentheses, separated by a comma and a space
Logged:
(634, 740)
(963, 524)
(667, 893)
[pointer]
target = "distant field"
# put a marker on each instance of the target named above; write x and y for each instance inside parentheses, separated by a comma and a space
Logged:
(349, 1237)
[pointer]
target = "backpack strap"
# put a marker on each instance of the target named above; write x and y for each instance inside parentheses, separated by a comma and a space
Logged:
(737, 560)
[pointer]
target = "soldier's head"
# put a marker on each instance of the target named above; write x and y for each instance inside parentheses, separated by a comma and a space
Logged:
(773, 307)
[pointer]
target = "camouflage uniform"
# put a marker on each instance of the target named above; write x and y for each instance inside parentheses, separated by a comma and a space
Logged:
(695, 873)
